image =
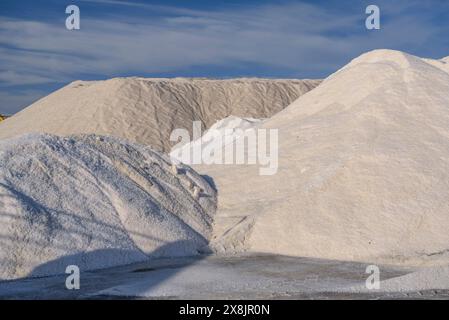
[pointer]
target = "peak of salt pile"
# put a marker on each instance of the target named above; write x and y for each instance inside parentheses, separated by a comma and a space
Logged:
(363, 170)
(95, 202)
(147, 110)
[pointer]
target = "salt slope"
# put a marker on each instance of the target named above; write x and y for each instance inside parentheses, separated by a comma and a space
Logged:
(95, 202)
(147, 110)
(224, 131)
(363, 170)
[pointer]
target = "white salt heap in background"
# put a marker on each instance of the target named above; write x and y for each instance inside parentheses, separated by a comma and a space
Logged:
(147, 110)
(95, 202)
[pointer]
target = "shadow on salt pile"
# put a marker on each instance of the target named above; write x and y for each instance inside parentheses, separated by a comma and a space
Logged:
(69, 201)
(97, 259)
(210, 181)
(58, 266)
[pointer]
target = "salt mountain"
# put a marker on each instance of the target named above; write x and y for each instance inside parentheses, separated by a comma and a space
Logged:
(363, 170)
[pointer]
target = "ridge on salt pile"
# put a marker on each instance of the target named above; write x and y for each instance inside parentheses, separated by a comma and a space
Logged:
(216, 137)
(363, 170)
(147, 110)
(442, 64)
(95, 202)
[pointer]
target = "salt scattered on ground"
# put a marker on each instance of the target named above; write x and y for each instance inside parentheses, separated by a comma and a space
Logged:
(95, 202)
(245, 276)
(433, 278)
(436, 278)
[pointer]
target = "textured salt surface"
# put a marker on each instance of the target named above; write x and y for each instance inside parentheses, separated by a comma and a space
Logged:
(95, 202)
(363, 170)
(220, 134)
(147, 110)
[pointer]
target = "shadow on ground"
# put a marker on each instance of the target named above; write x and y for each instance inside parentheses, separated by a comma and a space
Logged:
(53, 287)
(248, 276)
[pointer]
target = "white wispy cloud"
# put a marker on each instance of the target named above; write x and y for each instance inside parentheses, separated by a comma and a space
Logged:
(14, 78)
(274, 35)
(299, 38)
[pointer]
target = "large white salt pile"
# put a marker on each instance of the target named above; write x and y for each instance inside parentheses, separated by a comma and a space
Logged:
(147, 110)
(95, 202)
(363, 170)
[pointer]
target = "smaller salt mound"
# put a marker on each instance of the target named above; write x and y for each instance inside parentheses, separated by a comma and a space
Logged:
(223, 132)
(95, 202)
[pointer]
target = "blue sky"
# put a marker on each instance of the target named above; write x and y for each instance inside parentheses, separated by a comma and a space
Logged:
(220, 39)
